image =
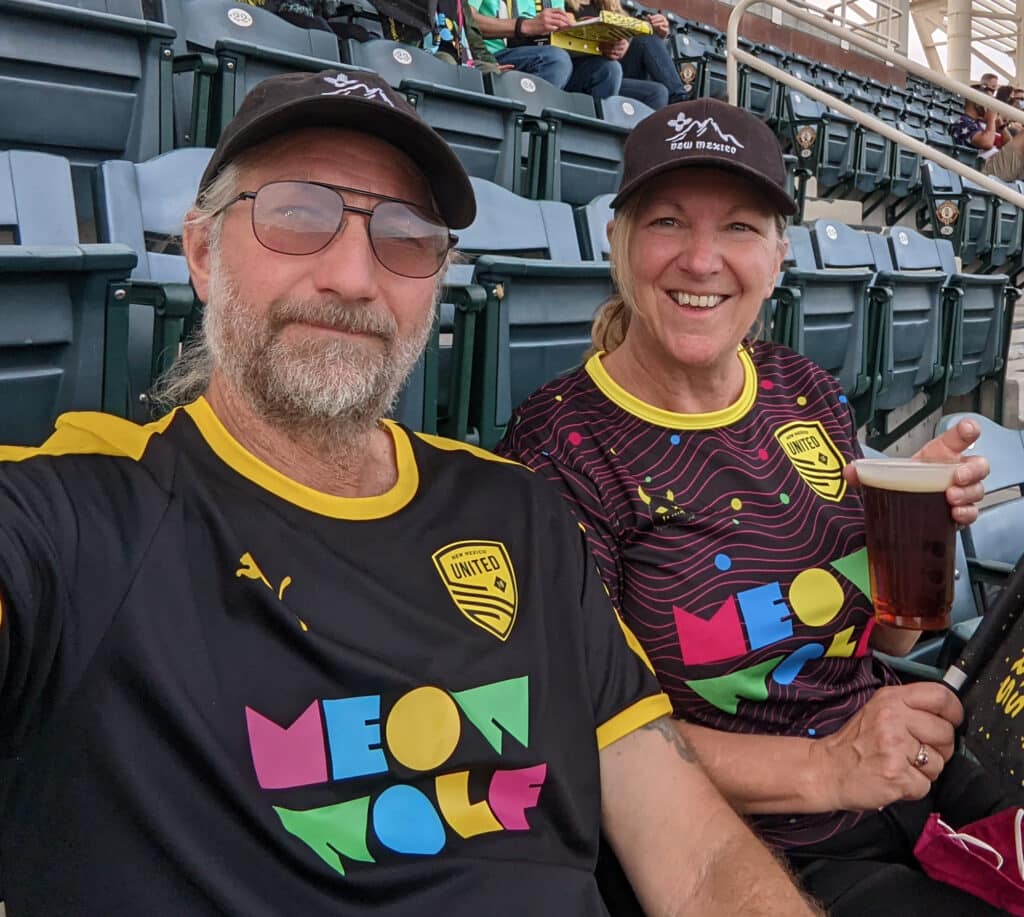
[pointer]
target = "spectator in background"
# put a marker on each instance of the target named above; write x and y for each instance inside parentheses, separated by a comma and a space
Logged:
(1007, 94)
(990, 81)
(523, 42)
(648, 73)
(1002, 154)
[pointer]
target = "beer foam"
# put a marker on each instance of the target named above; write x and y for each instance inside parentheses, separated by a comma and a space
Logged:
(905, 475)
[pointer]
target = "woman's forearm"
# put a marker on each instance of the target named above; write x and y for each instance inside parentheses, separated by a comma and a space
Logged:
(762, 774)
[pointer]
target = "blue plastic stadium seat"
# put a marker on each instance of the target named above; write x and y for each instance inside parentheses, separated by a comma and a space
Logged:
(60, 315)
(623, 111)
(592, 227)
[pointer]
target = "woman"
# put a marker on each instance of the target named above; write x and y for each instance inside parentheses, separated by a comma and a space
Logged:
(742, 571)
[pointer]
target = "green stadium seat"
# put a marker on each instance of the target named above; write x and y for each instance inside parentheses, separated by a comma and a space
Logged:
(623, 111)
(592, 227)
(540, 300)
(84, 83)
(994, 542)
(484, 131)
(822, 304)
(63, 304)
(223, 49)
(977, 309)
(143, 205)
(573, 154)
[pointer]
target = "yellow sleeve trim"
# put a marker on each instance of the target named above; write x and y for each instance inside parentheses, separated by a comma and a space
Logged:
(92, 433)
(624, 722)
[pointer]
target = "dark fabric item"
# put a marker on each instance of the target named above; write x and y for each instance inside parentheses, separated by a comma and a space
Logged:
(871, 868)
(360, 100)
(417, 14)
(705, 132)
(994, 708)
(652, 94)
(594, 75)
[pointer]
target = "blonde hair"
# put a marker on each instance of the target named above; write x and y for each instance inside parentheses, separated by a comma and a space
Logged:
(611, 323)
(609, 6)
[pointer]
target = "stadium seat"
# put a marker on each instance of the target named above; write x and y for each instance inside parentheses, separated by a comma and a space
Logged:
(86, 84)
(223, 49)
(994, 542)
(63, 305)
(758, 92)
(914, 314)
(592, 227)
(823, 302)
(573, 154)
(484, 131)
(539, 307)
(976, 309)
(1007, 233)
(143, 205)
(82, 83)
(623, 111)
(945, 201)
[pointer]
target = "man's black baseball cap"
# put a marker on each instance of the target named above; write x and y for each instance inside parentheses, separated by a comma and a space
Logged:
(705, 132)
(358, 100)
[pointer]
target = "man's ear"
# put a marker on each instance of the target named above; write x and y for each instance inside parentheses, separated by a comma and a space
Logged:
(195, 242)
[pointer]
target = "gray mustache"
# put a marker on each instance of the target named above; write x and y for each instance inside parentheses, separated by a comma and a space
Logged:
(332, 314)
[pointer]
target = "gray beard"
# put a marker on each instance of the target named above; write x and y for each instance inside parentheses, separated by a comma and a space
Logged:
(331, 391)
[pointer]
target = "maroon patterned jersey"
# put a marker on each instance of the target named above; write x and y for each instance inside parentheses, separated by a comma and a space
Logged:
(729, 541)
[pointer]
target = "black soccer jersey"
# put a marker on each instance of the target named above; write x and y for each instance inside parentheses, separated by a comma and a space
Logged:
(222, 692)
(730, 543)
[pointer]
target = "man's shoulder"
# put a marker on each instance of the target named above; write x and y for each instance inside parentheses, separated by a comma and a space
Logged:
(91, 433)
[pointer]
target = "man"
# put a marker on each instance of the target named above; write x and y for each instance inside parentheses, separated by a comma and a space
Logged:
(991, 83)
(1001, 152)
(272, 655)
(522, 41)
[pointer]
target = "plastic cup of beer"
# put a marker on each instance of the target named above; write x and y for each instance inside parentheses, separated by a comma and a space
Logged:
(911, 540)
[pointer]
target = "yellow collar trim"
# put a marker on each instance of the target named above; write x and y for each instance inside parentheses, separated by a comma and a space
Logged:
(236, 456)
(670, 419)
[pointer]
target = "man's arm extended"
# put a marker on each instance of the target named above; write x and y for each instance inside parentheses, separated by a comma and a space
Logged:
(683, 848)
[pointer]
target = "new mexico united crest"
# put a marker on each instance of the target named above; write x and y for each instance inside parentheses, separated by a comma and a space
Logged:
(479, 577)
(815, 457)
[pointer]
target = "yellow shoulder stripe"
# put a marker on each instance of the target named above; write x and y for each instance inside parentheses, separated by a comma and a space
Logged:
(455, 445)
(92, 433)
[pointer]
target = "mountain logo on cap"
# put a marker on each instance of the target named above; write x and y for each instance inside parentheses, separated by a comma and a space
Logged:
(343, 86)
(691, 134)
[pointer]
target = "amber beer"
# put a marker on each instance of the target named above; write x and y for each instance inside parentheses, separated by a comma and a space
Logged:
(911, 541)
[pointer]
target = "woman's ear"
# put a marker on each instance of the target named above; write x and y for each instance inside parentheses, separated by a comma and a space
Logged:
(608, 229)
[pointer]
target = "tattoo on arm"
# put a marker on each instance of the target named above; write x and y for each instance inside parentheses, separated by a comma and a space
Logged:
(672, 736)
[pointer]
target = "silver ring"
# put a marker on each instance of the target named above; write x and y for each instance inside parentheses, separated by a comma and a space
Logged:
(922, 757)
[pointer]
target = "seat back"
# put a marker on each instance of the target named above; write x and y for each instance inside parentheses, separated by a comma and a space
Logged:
(484, 132)
(576, 154)
(248, 45)
(143, 205)
(55, 325)
(623, 111)
(830, 275)
(997, 536)
(592, 227)
(83, 83)
(540, 308)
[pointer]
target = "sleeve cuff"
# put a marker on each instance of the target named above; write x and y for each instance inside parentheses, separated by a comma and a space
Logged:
(633, 717)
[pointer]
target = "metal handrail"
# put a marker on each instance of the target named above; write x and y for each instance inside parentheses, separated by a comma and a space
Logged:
(735, 55)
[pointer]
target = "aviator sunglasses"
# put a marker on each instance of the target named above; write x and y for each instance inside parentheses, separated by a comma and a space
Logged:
(303, 217)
